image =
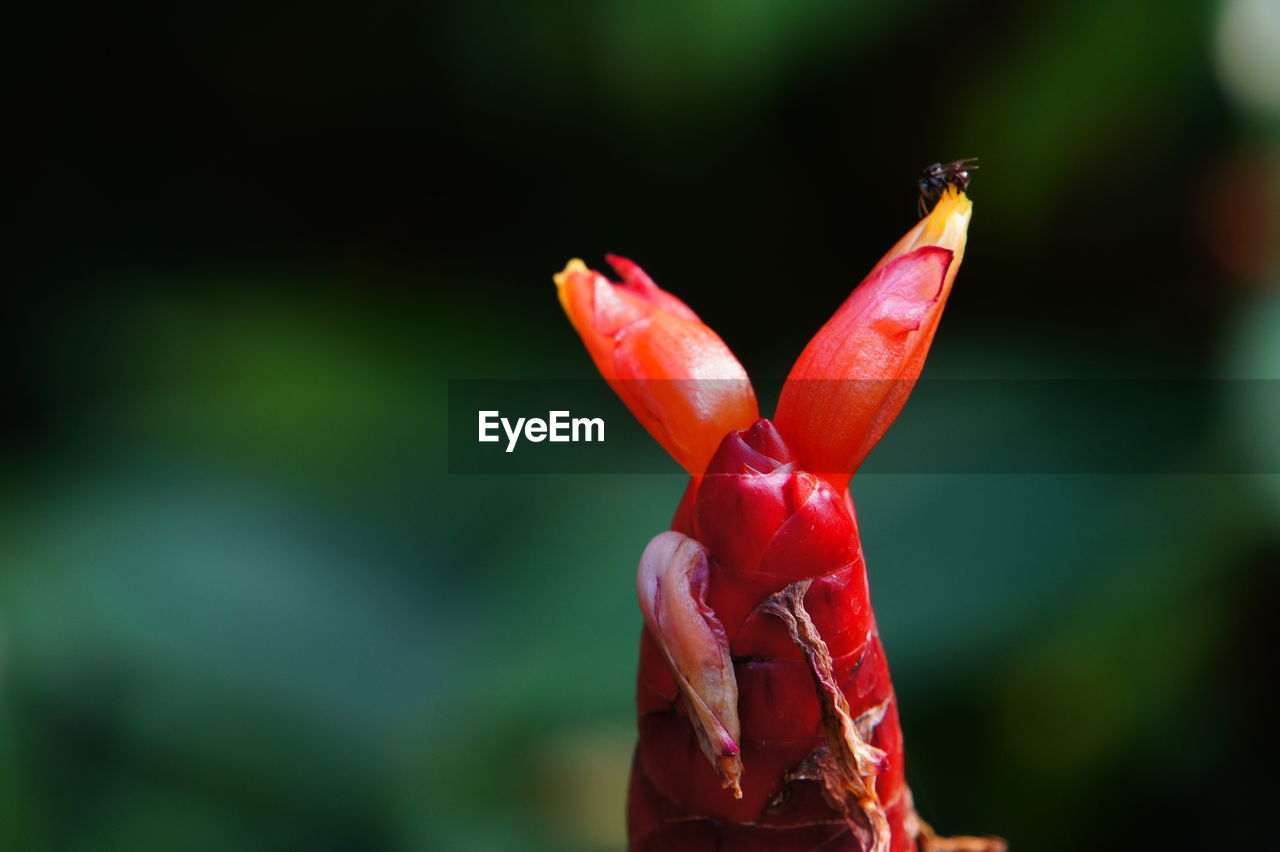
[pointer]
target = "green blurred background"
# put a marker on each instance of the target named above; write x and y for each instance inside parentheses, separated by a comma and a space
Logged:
(243, 606)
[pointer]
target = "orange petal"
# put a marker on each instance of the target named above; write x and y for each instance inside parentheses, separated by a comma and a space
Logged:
(856, 374)
(675, 374)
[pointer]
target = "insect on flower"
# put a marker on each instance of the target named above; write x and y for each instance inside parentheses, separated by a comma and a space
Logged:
(939, 176)
(766, 716)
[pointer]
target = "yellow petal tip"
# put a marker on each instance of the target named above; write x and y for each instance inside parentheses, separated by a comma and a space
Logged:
(573, 267)
(947, 224)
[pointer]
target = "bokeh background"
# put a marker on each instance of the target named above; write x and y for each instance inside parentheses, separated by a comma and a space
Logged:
(243, 606)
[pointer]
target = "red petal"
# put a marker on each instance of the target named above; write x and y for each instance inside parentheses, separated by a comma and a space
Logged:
(855, 375)
(674, 373)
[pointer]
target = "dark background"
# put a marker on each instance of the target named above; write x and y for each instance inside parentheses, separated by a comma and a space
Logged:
(243, 606)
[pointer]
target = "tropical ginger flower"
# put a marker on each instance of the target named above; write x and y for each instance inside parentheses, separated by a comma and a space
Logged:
(767, 717)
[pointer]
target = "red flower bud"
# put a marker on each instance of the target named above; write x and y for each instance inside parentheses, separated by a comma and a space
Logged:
(757, 512)
(674, 373)
(856, 374)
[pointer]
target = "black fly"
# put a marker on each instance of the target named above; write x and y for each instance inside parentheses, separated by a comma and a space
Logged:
(939, 176)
